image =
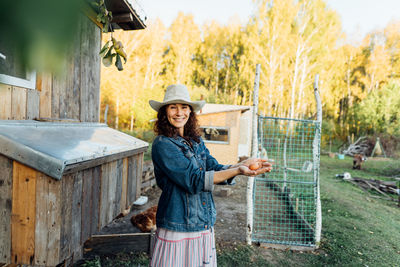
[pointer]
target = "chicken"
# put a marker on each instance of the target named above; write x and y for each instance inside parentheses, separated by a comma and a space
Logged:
(146, 220)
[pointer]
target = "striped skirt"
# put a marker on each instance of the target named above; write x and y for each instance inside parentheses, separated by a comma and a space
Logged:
(182, 249)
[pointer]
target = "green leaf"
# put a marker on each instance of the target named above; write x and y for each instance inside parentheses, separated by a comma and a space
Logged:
(118, 63)
(107, 60)
(99, 17)
(104, 50)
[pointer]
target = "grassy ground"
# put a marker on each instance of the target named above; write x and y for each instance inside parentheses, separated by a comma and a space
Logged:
(357, 229)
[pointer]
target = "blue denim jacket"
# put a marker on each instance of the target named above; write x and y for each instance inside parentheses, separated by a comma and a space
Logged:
(186, 177)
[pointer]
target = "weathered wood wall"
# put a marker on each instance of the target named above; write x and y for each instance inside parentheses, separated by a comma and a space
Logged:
(74, 94)
(44, 221)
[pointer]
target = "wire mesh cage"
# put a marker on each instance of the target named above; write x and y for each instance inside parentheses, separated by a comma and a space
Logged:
(285, 200)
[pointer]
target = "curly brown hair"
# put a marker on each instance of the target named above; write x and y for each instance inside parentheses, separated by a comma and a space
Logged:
(163, 127)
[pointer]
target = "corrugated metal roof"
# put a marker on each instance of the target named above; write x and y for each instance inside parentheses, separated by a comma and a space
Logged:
(50, 147)
(217, 108)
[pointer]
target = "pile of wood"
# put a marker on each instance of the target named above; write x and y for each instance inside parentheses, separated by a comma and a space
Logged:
(148, 178)
(361, 146)
(387, 189)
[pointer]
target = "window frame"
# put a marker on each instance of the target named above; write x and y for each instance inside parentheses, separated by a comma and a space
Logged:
(218, 128)
(29, 83)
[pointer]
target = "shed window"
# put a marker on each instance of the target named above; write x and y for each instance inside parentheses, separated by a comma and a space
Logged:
(215, 134)
(11, 72)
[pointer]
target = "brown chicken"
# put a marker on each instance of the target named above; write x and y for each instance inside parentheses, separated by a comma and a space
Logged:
(358, 159)
(146, 220)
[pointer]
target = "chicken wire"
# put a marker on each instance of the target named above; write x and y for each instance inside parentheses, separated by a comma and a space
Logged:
(285, 200)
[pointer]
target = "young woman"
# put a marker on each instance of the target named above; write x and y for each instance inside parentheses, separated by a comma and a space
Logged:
(186, 173)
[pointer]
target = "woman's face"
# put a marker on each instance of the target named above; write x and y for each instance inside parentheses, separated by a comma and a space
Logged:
(178, 115)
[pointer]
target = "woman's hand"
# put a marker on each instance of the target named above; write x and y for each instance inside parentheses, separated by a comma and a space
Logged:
(254, 166)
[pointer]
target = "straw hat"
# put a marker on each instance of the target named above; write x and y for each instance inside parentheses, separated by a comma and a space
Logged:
(177, 94)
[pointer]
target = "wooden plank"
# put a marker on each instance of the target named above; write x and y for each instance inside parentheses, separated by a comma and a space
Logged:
(48, 220)
(53, 221)
(66, 249)
(76, 216)
(96, 194)
(18, 103)
(286, 247)
(104, 203)
(32, 104)
(85, 70)
(59, 102)
(6, 168)
(23, 214)
(90, 71)
(94, 96)
(41, 234)
(124, 205)
(5, 102)
(45, 95)
(132, 165)
(118, 187)
(117, 243)
(139, 172)
(112, 188)
(55, 96)
(38, 82)
(74, 80)
(87, 182)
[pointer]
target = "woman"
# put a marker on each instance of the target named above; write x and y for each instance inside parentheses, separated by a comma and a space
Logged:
(186, 173)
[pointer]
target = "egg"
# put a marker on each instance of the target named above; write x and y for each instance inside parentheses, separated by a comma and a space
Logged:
(254, 166)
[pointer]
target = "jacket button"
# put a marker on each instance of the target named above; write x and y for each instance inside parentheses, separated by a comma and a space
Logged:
(201, 168)
(204, 203)
(205, 226)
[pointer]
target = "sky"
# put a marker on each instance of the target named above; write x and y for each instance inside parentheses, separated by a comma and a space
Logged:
(360, 16)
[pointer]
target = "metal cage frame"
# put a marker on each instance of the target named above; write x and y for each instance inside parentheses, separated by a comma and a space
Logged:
(285, 205)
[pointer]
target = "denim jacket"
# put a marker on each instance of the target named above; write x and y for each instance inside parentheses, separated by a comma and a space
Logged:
(186, 177)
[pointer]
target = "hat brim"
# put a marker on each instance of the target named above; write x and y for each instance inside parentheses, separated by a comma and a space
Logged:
(196, 105)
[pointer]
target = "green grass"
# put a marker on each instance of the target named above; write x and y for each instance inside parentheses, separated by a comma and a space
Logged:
(357, 230)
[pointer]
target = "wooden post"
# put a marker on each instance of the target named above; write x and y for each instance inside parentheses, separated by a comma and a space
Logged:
(250, 180)
(316, 152)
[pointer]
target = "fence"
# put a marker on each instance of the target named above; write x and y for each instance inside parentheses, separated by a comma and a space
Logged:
(285, 202)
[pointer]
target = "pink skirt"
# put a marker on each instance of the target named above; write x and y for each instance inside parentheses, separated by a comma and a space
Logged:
(186, 249)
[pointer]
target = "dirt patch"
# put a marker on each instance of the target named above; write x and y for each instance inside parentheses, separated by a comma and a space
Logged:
(230, 226)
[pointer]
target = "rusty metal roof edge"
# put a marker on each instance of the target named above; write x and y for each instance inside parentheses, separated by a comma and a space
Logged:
(37, 160)
(45, 123)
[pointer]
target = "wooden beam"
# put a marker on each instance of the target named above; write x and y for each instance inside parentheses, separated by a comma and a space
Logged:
(6, 171)
(116, 243)
(286, 247)
(125, 17)
(45, 88)
(18, 103)
(5, 102)
(48, 221)
(23, 214)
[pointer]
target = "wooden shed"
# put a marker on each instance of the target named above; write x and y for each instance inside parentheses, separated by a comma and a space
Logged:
(226, 130)
(63, 175)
